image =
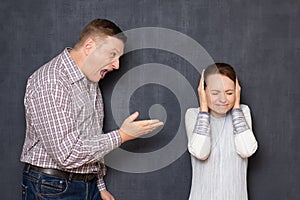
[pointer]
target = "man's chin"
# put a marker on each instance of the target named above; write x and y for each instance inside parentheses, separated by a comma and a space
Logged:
(94, 79)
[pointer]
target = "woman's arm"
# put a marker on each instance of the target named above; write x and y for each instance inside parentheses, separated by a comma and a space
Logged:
(244, 138)
(198, 132)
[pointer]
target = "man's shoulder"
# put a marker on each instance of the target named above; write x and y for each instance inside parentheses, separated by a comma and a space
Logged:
(50, 72)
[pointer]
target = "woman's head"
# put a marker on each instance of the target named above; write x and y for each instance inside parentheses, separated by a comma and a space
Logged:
(220, 68)
(219, 84)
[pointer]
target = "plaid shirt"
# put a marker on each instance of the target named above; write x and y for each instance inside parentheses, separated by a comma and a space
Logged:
(64, 120)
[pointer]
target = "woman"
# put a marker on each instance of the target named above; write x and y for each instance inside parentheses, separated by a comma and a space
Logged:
(220, 137)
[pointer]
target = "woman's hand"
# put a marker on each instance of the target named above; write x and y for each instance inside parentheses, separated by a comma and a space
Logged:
(237, 94)
(105, 195)
(202, 94)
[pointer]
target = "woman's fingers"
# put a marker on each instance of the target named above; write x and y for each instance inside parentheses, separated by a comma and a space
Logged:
(237, 94)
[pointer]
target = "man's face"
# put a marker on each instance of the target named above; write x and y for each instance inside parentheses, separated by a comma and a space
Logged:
(102, 58)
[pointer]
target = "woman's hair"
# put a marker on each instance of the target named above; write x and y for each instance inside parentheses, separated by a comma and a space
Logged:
(220, 68)
(99, 28)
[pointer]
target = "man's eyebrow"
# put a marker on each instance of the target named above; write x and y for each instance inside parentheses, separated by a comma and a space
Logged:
(116, 50)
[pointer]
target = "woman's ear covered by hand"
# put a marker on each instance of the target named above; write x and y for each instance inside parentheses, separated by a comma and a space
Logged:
(237, 94)
(202, 94)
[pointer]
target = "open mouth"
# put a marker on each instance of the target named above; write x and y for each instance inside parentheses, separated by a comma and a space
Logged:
(103, 73)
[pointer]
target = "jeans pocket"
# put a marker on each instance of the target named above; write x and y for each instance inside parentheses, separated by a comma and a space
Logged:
(52, 186)
(24, 192)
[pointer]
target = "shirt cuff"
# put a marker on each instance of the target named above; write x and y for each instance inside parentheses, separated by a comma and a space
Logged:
(238, 120)
(202, 125)
(115, 138)
(100, 184)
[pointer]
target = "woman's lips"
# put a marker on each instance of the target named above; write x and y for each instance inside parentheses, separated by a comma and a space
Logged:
(222, 105)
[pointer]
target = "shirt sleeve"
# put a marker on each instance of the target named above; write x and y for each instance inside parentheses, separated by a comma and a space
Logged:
(245, 142)
(56, 129)
(198, 131)
(100, 184)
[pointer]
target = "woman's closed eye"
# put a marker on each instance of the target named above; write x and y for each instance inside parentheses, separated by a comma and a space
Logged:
(214, 92)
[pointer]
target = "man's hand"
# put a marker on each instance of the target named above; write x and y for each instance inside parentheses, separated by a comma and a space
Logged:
(105, 195)
(131, 129)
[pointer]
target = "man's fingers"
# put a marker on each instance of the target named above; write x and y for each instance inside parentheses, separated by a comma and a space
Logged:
(146, 122)
(155, 125)
(151, 127)
(133, 116)
(131, 129)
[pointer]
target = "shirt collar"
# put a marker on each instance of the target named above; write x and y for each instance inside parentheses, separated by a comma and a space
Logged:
(72, 69)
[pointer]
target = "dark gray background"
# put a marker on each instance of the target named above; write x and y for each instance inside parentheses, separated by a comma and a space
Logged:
(261, 39)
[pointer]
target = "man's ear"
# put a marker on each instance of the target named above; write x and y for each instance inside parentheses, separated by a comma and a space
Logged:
(88, 46)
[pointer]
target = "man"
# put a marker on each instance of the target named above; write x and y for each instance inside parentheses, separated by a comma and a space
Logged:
(64, 145)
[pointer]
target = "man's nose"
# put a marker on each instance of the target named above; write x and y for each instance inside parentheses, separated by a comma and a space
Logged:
(116, 64)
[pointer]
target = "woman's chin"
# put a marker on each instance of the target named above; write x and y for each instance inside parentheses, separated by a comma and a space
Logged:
(219, 112)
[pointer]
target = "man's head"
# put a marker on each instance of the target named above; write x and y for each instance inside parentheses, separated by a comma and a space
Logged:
(99, 48)
(99, 28)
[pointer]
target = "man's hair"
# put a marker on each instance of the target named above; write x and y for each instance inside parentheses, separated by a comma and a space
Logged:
(220, 68)
(100, 28)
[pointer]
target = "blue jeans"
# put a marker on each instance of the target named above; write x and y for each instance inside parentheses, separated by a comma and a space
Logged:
(40, 186)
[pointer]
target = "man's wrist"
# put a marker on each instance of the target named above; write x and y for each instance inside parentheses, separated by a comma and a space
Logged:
(101, 185)
(124, 136)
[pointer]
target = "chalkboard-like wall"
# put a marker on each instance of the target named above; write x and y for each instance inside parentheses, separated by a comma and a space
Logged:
(261, 39)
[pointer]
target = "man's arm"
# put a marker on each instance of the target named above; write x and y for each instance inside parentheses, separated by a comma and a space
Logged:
(57, 129)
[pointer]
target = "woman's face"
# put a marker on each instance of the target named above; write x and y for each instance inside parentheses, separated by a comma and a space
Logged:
(220, 94)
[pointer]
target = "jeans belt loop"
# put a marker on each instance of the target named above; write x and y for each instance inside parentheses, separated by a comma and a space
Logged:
(70, 177)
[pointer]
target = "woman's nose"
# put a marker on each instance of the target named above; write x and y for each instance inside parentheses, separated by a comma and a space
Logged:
(222, 97)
